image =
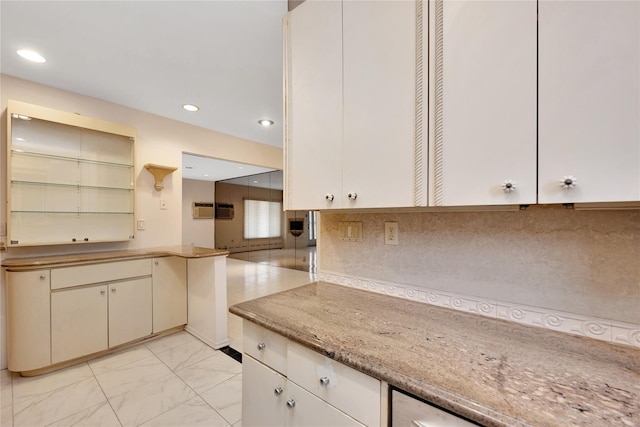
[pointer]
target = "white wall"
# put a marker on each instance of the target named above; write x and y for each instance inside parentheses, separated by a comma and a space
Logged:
(197, 232)
(159, 140)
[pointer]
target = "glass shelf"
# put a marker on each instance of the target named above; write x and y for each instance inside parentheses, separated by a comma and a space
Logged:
(69, 159)
(55, 184)
(77, 213)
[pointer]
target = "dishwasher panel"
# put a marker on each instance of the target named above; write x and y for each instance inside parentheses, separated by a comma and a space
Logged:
(408, 411)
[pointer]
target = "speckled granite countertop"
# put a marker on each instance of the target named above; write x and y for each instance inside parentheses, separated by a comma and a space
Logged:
(495, 372)
(18, 264)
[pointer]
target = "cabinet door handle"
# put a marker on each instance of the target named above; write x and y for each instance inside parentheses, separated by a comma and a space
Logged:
(86, 239)
(329, 197)
(278, 391)
(261, 346)
(156, 262)
(102, 292)
(324, 381)
(568, 182)
(508, 186)
(113, 290)
(291, 403)
(352, 195)
(42, 277)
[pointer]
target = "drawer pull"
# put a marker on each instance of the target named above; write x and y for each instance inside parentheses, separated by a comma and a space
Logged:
(324, 381)
(291, 403)
(261, 346)
(278, 391)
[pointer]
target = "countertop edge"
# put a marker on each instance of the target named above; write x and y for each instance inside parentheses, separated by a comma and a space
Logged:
(31, 263)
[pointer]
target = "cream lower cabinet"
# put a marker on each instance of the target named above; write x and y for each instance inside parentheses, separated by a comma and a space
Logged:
(95, 318)
(307, 390)
(78, 322)
(169, 293)
(28, 314)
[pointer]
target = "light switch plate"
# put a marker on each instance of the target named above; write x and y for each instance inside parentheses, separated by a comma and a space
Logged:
(350, 231)
(141, 224)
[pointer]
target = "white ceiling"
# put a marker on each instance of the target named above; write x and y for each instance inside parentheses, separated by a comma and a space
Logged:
(222, 55)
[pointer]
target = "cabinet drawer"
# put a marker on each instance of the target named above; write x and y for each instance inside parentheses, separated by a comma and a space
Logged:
(97, 273)
(335, 383)
(265, 346)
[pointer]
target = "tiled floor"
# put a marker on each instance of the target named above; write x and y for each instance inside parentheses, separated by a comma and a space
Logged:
(172, 381)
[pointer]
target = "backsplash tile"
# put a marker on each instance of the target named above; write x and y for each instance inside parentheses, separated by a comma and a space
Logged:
(571, 271)
(600, 329)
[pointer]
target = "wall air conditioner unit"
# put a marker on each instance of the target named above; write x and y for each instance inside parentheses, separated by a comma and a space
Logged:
(224, 211)
(202, 210)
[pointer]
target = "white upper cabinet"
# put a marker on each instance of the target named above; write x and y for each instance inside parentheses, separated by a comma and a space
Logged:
(589, 101)
(379, 59)
(483, 103)
(354, 105)
(313, 105)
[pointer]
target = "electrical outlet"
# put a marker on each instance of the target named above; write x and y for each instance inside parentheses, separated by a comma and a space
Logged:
(391, 233)
(163, 204)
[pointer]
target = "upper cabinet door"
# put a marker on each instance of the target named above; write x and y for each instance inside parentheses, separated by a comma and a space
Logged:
(383, 124)
(313, 105)
(483, 103)
(589, 101)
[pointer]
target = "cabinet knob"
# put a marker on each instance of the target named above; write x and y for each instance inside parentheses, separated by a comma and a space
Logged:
(352, 195)
(86, 239)
(42, 277)
(508, 186)
(113, 290)
(291, 403)
(278, 391)
(156, 262)
(568, 182)
(324, 381)
(261, 346)
(102, 292)
(329, 197)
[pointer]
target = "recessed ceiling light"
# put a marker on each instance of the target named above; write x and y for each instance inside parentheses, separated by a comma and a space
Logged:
(255, 182)
(190, 107)
(206, 174)
(265, 122)
(31, 55)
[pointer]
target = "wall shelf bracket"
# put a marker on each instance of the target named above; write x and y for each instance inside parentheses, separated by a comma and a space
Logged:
(159, 173)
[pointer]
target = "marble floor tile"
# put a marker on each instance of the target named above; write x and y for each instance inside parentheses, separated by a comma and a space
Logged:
(49, 407)
(100, 415)
(193, 413)
(144, 403)
(116, 360)
(185, 355)
(6, 416)
(207, 373)
(128, 377)
(226, 399)
(170, 341)
(6, 389)
(28, 387)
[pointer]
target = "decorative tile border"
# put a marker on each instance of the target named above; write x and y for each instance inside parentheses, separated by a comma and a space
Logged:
(575, 324)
